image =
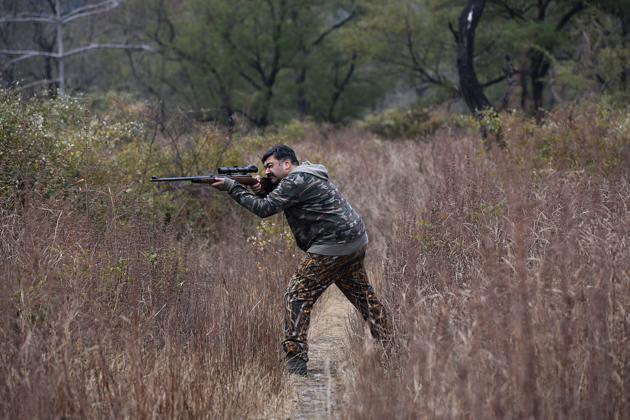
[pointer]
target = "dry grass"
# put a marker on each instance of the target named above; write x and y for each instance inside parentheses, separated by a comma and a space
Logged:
(122, 319)
(111, 314)
(506, 275)
(510, 287)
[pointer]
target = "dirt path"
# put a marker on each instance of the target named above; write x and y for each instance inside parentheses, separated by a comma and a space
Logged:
(317, 396)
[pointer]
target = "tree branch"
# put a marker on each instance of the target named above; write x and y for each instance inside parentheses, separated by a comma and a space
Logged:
(250, 80)
(27, 17)
(333, 28)
(494, 81)
(512, 12)
(90, 9)
(578, 7)
(453, 32)
(75, 14)
(28, 52)
(82, 15)
(417, 66)
(90, 47)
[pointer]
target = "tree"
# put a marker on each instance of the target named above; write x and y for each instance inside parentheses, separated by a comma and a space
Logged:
(470, 88)
(407, 40)
(613, 53)
(263, 60)
(537, 31)
(310, 39)
(55, 48)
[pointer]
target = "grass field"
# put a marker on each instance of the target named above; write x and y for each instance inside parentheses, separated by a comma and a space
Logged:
(505, 271)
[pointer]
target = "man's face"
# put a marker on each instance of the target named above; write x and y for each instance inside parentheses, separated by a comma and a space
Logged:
(276, 169)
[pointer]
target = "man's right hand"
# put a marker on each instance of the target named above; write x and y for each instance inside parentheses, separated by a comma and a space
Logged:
(257, 187)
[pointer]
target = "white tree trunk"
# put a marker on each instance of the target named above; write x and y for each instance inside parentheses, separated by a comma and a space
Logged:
(60, 51)
(60, 20)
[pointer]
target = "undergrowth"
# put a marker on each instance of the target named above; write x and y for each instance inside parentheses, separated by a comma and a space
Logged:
(509, 287)
(505, 272)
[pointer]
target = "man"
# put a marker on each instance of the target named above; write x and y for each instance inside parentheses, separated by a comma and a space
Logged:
(331, 233)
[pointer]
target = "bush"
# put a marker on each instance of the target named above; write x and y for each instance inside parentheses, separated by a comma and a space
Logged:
(413, 123)
(59, 147)
(50, 147)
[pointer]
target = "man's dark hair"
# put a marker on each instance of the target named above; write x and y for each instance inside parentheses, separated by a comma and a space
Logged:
(281, 152)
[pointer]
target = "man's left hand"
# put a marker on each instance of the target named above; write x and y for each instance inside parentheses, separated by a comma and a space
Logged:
(219, 184)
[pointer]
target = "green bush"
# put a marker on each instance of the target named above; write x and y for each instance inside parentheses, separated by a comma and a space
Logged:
(60, 150)
(589, 136)
(412, 123)
(52, 147)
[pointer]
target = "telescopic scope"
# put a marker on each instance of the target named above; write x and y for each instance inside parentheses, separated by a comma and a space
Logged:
(226, 170)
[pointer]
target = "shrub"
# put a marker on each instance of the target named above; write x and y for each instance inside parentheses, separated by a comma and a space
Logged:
(50, 146)
(413, 123)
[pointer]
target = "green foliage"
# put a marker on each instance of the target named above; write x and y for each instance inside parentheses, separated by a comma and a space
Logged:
(407, 43)
(412, 123)
(542, 35)
(271, 61)
(490, 120)
(294, 131)
(52, 146)
(245, 58)
(591, 136)
(58, 149)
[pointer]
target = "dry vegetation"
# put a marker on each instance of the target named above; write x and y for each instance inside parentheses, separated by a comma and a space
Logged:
(122, 319)
(506, 272)
(510, 286)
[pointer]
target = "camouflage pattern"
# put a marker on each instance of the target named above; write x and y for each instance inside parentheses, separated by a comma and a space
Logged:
(313, 276)
(334, 237)
(321, 220)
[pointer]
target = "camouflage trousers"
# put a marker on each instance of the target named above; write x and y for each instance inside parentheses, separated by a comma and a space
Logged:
(312, 278)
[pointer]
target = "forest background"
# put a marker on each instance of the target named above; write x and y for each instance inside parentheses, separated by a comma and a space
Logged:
(485, 142)
(268, 62)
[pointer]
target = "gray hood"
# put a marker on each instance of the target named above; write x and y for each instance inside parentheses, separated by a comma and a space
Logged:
(316, 169)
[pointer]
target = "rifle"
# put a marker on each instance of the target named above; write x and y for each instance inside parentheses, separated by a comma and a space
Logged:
(238, 174)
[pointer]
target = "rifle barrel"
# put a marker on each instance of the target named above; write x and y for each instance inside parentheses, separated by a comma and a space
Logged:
(183, 178)
(206, 179)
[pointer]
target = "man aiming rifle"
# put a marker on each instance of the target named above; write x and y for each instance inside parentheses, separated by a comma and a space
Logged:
(331, 233)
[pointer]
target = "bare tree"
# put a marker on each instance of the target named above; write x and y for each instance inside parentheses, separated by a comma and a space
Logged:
(57, 50)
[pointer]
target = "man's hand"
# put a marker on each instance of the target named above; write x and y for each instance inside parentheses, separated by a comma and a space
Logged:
(219, 184)
(258, 188)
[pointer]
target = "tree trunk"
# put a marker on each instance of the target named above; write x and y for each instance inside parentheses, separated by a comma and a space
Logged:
(302, 101)
(340, 87)
(471, 90)
(48, 72)
(60, 50)
(539, 70)
(625, 70)
(262, 120)
(524, 88)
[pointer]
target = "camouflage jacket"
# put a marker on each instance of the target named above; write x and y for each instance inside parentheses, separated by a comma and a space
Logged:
(322, 221)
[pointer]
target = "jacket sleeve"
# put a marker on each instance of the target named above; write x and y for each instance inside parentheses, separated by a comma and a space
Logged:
(287, 194)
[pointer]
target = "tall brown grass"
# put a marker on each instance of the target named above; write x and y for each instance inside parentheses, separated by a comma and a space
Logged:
(124, 319)
(505, 274)
(510, 287)
(111, 313)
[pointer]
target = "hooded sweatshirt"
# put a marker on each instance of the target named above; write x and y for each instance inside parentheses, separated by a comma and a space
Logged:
(321, 219)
